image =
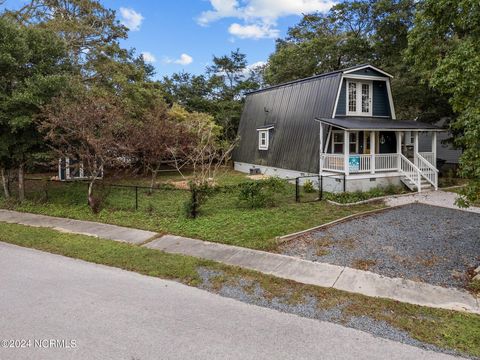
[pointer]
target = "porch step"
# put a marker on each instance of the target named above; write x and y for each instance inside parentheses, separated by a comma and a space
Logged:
(424, 184)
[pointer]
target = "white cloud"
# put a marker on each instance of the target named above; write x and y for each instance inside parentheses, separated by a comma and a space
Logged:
(184, 59)
(148, 57)
(259, 16)
(253, 31)
(131, 19)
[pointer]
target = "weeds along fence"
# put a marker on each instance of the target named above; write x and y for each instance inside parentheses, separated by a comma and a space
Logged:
(166, 199)
(312, 188)
(114, 196)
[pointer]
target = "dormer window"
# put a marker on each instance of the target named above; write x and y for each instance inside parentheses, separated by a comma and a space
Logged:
(264, 137)
(359, 98)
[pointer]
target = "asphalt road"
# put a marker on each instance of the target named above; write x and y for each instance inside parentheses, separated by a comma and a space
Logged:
(97, 312)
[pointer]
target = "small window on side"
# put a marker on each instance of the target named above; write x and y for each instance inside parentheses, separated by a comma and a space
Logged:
(263, 139)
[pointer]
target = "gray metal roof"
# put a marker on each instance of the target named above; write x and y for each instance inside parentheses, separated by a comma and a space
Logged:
(375, 123)
(291, 108)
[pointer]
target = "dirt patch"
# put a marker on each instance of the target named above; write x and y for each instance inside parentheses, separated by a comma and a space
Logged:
(364, 264)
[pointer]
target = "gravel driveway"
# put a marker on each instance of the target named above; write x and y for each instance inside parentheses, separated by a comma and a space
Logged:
(417, 241)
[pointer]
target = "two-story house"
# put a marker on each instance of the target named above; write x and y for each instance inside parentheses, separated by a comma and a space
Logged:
(341, 125)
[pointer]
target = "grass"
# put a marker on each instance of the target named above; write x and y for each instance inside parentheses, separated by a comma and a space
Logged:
(445, 329)
(222, 219)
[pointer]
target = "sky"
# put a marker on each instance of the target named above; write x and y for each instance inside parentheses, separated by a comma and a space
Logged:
(183, 35)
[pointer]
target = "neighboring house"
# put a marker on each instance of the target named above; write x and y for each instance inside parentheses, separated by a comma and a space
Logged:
(448, 156)
(341, 125)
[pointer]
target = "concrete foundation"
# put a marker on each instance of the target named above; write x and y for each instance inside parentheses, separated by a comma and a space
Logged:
(331, 182)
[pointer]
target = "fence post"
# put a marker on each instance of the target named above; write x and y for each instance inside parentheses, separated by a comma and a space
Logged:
(194, 202)
(320, 187)
(297, 190)
(136, 197)
(344, 183)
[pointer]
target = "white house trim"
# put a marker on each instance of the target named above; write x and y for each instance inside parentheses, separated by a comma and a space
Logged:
(390, 100)
(366, 77)
(338, 95)
(368, 66)
(263, 139)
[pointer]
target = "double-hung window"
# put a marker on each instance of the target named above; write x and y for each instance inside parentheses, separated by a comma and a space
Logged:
(338, 143)
(263, 139)
(359, 98)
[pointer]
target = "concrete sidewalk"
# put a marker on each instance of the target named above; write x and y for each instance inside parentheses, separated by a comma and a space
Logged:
(322, 274)
(282, 266)
(104, 231)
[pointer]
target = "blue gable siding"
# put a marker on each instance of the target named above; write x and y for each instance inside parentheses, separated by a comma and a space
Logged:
(381, 105)
(367, 72)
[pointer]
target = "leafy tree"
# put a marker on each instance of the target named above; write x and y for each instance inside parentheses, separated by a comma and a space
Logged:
(220, 92)
(33, 67)
(91, 127)
(450, 63)
(84, 25)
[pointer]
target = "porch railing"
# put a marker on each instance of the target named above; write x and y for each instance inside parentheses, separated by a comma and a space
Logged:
(386, 162)
(360, 163)
(333, 162)
(410, 171)
(427, 170)
(429, 156)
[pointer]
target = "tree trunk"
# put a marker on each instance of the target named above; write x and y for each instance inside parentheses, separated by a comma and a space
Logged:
(21, 182)
(152, 182)
(6, 189)
(90, 199)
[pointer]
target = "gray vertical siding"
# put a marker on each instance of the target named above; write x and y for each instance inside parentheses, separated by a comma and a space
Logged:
(292, 108)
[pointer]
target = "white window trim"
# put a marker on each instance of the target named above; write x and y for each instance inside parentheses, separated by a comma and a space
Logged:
(267, 139)
(357, 142)
(359, 98)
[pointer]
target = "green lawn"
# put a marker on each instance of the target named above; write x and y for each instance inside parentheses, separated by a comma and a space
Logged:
(445, 329)
(222, 219)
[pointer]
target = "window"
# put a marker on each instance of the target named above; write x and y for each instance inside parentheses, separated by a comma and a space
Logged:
(365, 98)
(337, 142)
(352, 97)
(359, 98)
(263, 139)
(353, 143)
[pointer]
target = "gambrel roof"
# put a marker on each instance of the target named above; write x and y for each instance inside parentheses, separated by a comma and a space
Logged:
(291, 111)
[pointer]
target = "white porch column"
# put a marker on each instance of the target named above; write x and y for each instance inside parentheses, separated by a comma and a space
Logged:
(415, 147)
(320, 162)
(434, 148)
(372, 152)
(398, 135)
(346, 151)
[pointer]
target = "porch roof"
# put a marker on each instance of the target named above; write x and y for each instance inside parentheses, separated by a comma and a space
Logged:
(375, 123)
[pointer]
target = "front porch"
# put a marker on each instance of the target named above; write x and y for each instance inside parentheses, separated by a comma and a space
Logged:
(370, 152)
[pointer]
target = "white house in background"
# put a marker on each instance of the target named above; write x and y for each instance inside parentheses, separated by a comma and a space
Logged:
(341, 125)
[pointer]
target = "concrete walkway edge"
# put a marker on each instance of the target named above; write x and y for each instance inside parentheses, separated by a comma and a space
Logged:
(282, 266)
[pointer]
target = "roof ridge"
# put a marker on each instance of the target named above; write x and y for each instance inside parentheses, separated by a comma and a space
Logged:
(313, 77)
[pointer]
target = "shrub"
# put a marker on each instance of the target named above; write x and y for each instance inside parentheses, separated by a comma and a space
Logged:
(308, 186)
(257, 194)
(352, 197)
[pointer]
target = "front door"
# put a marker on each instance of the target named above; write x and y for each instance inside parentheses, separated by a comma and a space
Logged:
(387, 142)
